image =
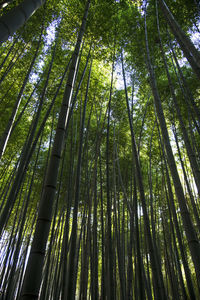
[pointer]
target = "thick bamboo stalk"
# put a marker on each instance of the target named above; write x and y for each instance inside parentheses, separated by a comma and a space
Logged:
(15, 18)
(33, 274)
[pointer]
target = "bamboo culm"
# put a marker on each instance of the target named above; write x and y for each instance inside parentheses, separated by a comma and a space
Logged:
(35, 263)
(15, 18)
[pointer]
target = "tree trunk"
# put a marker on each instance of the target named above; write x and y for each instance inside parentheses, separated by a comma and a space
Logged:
(110, 290)
(187, 222)
(7, 131)
(188, 48)
(157, 274)
(35, 264)
(14, 19)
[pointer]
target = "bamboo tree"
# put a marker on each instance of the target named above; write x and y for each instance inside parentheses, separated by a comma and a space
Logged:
(118, 235)
(95, 226)
(44, 216)
(15, 18)
(7, 132)
(189, 100)
(68, 197)
(196, 214)
(190, 52)
(71, 273)
(102, 233)
(27, 151)
(172, 210)
(10, 292)
(191, 154)
(188, 226)
(157, 274)
(47, 271)
(18, 53)
(110, 291)
(9, 51)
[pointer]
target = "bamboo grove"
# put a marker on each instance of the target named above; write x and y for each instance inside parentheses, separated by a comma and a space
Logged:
(99, 149)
